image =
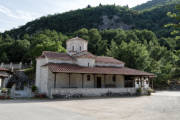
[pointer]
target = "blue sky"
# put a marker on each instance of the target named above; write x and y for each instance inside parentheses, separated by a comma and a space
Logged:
(14, 13)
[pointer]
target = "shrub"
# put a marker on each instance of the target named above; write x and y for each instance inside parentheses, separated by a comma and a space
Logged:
(139, 91)
(34, 88)
(149, 91)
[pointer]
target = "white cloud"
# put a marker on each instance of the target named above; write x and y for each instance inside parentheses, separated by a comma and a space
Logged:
(14, 13)
(17, 14)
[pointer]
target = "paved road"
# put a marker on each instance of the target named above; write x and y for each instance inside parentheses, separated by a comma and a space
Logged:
(160, 106)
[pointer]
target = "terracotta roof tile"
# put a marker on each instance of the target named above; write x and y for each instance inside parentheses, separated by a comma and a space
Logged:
(76, 38)
(56, 55)
(84, 54)
(105, 59)
(70, 68)
(3, 69)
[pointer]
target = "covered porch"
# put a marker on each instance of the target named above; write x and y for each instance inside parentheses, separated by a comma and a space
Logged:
(81, 84)
(66, 79)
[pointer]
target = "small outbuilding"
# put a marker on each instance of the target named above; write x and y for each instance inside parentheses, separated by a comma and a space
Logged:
(4, 74)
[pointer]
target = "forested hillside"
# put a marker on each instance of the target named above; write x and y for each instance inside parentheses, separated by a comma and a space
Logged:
(138, 38)
(101, 17)
(155, 3)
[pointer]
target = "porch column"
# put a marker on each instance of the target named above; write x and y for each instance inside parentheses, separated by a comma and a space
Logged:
(54, 80)
(82, 80)
(94, 80)
(104, 80)
(69, 80)
(141, 81)
(152, 84)
(134, 82)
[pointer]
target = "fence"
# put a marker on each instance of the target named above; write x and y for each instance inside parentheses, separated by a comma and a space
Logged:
(17, 66)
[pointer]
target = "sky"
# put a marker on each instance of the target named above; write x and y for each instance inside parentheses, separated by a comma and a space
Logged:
(15, 13)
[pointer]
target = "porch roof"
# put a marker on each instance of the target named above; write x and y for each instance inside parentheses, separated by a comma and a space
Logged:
(71, 68)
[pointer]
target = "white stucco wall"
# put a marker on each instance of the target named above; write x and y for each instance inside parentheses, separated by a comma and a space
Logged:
(88, 83)
(62, 80)
(43, 81)
(60, 61)
(108, 64)
(85, 61)
(39, 63)
(119, 81)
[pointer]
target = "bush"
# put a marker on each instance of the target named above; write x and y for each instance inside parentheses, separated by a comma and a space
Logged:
(34, 88)
(139, 91)
(4, 93)
(149, 91)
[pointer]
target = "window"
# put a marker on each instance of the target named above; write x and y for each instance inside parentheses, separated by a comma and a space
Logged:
(80, 48)
(72, 48)
(114, 78)
(88, 77)
(88, 64)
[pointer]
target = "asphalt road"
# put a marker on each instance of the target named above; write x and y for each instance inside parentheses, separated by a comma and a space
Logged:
(160, 106)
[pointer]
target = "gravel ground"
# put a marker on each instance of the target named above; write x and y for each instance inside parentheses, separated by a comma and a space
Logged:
(160, 106)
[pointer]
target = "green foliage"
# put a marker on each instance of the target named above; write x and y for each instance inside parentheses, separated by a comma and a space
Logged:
(149, 47)
(135, 54)
(34, 88)
(92, 17)
(30, 47)
(155, 3)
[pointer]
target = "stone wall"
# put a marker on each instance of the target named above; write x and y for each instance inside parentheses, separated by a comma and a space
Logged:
(91, 91)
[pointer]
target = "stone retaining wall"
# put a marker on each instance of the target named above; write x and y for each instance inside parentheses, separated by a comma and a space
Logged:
(91, 91)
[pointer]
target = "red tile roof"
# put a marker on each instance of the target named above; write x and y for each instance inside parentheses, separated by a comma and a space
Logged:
(3, 69)
(76, 38)
(56, 55)
(105, 59)
(70, 68)
(84, 54)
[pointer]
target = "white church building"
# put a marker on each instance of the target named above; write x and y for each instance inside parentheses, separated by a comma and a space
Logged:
(79, 72)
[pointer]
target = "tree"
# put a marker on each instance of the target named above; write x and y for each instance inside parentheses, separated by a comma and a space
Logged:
(176, 26)
(134, 54)
(89, 6)
(176, 32)
(46, 46)
(94, 37)
(3, 57)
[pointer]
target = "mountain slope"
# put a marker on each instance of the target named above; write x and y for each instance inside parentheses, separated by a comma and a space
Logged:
(155, 3)
(101, 17)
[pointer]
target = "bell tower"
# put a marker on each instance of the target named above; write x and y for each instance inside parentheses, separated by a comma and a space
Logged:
(76, 45)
